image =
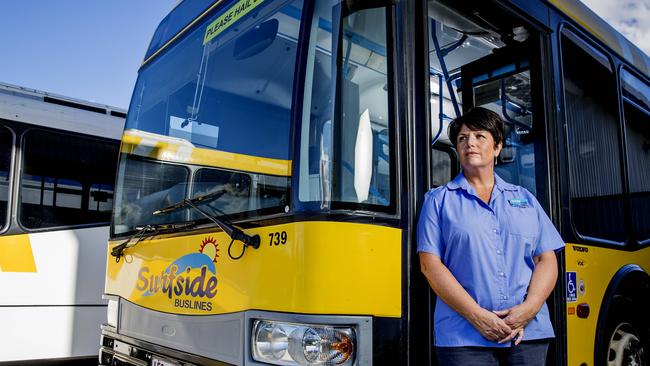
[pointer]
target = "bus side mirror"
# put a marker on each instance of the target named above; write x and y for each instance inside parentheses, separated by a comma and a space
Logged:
(256, 40)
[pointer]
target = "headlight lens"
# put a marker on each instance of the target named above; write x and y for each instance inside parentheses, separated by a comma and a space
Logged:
(271, 341)
(282, 343)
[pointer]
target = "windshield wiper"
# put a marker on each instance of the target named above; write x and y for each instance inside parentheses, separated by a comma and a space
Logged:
(233, 232)
(143, 232)
(196, 200)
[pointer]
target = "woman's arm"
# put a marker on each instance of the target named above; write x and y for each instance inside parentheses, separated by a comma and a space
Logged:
(543, 280)
(542, 283)
(445, 285)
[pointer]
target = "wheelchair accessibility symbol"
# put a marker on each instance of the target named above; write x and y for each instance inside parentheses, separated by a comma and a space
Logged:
(571, 291)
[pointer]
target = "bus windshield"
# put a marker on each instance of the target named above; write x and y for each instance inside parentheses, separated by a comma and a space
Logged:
(212, 112)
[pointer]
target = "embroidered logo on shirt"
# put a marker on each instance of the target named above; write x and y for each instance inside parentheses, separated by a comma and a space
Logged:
(521, 203)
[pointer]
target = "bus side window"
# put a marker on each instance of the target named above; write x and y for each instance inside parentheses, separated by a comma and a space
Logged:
(594, 148)
(346, 147)
(636, 111)
(66, 180)
(6, 148)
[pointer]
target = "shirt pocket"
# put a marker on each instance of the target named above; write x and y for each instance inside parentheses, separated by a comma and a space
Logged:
(524, 247)
(523, 231)
(523, 221)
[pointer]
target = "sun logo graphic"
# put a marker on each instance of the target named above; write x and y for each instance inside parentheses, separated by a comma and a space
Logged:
(210, 248)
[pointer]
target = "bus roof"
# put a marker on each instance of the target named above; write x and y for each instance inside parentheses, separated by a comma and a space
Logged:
(179, 19)
(41, 108)
(594, 24)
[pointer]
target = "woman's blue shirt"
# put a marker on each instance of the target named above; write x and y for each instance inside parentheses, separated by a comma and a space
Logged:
(489, 248)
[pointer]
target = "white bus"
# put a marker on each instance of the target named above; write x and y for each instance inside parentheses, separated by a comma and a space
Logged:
(58, 157)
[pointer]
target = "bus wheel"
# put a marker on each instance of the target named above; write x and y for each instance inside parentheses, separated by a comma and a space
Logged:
(625, 347)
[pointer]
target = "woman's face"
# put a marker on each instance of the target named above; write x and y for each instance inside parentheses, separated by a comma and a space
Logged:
(476, 149)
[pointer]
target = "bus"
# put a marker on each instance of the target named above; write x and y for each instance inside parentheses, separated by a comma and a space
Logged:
(276, 154)
(57, 170)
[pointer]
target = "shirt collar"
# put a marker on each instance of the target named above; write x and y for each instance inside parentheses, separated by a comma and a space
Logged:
(502, 184)
(461, 182)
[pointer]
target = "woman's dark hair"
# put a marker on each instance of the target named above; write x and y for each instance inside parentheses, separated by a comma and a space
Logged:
(476, 119)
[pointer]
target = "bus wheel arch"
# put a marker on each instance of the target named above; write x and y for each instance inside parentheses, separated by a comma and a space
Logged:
(623, 328)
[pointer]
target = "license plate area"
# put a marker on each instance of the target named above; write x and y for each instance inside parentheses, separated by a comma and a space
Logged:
(157, 361)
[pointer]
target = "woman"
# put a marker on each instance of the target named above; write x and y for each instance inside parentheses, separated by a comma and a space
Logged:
(487, 249)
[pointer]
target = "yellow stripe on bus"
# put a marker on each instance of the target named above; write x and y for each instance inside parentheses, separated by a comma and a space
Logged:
(302, 267)
(16, 254)
(181, 151)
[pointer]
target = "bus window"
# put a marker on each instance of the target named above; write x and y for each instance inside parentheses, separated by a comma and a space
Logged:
(218, 82)
(145, 186)
(591, 109)
(440, 167)
(236, 188)
(516, 163)
(222, 100)
(6, 148)
(101, 197)
(636, 109)
(345, 148)
(66, 180)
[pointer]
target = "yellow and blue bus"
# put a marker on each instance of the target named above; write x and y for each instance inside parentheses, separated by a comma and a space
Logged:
(276, 154)
(57, 172)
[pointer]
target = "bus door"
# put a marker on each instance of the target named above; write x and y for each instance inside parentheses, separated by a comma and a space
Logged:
(488, 55)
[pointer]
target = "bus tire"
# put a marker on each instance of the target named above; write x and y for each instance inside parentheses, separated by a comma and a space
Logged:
(625, 339)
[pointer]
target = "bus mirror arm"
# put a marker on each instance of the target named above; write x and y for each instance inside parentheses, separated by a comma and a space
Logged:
(248, 240)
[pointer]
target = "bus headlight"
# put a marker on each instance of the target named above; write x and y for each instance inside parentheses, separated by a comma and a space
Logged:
(281, 343)
(112, 311)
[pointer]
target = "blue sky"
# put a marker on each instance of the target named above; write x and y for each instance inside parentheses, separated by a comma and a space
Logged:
(91, 49)
(86, 49)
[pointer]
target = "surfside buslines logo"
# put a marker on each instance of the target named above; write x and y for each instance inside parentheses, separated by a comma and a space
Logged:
(190, 282)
